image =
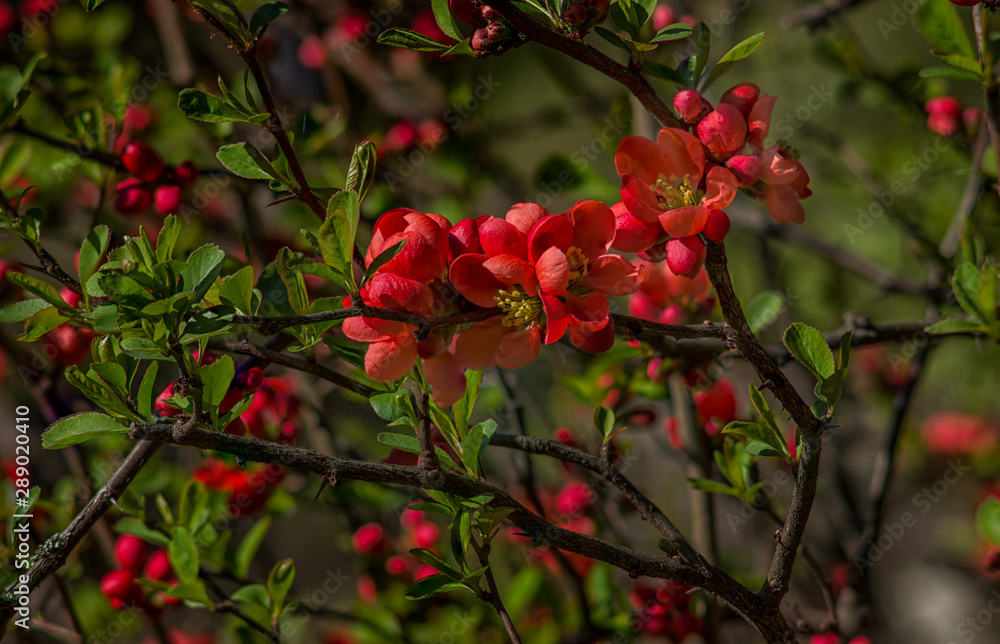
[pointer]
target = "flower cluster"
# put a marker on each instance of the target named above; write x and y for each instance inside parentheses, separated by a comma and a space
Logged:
(549, 276)
(679, 184)
(715, 407)
(121, 587)
(152, 182)
(664, 609)
(947, 117)
(249, 489)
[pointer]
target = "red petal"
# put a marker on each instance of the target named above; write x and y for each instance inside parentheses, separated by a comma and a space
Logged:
(476, 283)
(556, 318)
(594, 342)
(640, 158)
(783, 205)
(759, 121)
(631, 234)
(464, 238)
(593, 227)
(446, 378)
(614, 275)
(683, 155)
(525, 215)
(640, 199)
(720, 188)
(476, 347)
(499, 237)
(418, 259)
(685, 256)
(551, 231)
(519, 348)
(684, 222)
(552, 269)
(589, 312)
(512, 270)
(392, 291)
(359, 330)
(390, 360)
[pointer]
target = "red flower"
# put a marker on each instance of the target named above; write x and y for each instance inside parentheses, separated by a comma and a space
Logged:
(717, 403)
(672, 299)
(951, 432)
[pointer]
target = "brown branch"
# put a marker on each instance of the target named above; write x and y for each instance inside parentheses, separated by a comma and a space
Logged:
(493, 596)
(250, 349)
(790, 535)
(991, 90)
(815, 16)
(428, 454)
(272, 325)
(629, 77)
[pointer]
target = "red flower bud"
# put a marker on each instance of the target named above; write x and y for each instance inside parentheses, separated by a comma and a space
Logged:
(167, 198)
(120, 585)
(742, 97)
(426, 534)
(132, 197)
(480, 40)
(717, 226)
(723, 131)
(369, 539)
(688, 105)
(948, 105)
(685, 256)
(131, 552)
(140, 159)
(746, 168)
(186, 173)
(312, 53)
(158, 566)
(663, 16)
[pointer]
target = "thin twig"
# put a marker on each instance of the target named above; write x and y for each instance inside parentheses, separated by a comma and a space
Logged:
(493, 596)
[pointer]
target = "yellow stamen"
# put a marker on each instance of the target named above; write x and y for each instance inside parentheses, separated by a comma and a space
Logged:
(674, 193)
(578, 265)
(519, 307)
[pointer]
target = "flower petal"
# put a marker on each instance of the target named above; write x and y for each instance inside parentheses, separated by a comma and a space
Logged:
(463, 238)
(685, 256)
(640, 199)
(525, 215)
(519, 348)
(641, 158)
(783, 205)
(392, 291)
(759, 121)
(683, 155)
(512, 270)
(556, 318)
(588, 312)
(499, 237)
(720, 188)
(390, 360)
(552, 231)
(684, 222)
(614, 275)
(552, 269)
(596, 341)
(476, 347)
(633, 235)
(473, 281)
(593, 227)
(446, 378)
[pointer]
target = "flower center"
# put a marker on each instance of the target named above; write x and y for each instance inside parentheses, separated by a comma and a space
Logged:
(578, 264)
(673, 193)
(519, 307)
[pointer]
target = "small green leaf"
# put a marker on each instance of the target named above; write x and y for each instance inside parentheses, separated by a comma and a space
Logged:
(703, 43)
(733, 57)
(431, 559)
(77, 428)
(135, 527)
(988, 520)
(604, 421)
(146, 393)
(383, 258)
(167, 239)
(216, 379)
(42, 289)
(444, 19)
(249, 546)
(762, 433)
(945, 327)
(208, 108)
(464, 406)
(664, 72)
(201, 269)
(672, 32)
(988, 292)
(712, 487)
(808, 346)
(760, 448)
(279, 582)
(183, 554)
(237, 290)
(938, 22)
(964, 63)
(41, 323)
(247, 161)
(22, 310)
(265, 14)
(407, 39)
(193, 591)
(763, 310)
(361, 172)
(966, 286)
(951, 73)
(92, 250)
(432, 585)
(615, 39)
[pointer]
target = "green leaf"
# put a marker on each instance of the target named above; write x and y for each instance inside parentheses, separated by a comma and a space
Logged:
(92, 250)
(809, 347)
(444, 19)
(41, 323)
(387, 406)
(216, 379)
(432, 585)
(733, 56)
(183, 554)
(471, 449)
(254, 593)
(763, 310)
(844, 351)
(988, 520)
(10, 112)
(298, 295)
(439, 564)
(672, 32)
(265, 14)
(604, 421)
(279, 582)
(167, 239)
(411, 445)
(135, 527)
(463, 407)
(361, 172)
(42, 289)
(950, 73)
(938, 22)
(201, 269)
(755, 431)
(249, 546)
(208, 108)
(383, 258)
(763, 409)
(78, 428)
(22, 310)
(712, 487)
(237, 290)
(113, 374)
(965, 64)
(247, 161)
(829, 389)
(615, 39)
(945, 327)
(336, 235)
(966, 285)
(703, 43)
(407, 39)
(988, 292)
(193, 591)
(146, 393)
(760, 448)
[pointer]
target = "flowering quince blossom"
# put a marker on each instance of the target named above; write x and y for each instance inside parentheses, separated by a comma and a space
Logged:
(412, 281)
(548, 274)
(671, 299)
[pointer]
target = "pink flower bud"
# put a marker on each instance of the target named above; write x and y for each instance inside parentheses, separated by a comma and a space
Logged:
(742, 97)
(158, 566)
(943, 124)
(186, 173)
(688, 104)
(312, 53)
(944, 105)
(717, 226)
(139, 159)
(131, 552)
(132, 197)
(685, 255)
(369, 539)
(167, 198)
(747, 169)
(663, 16)
(723, 131)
